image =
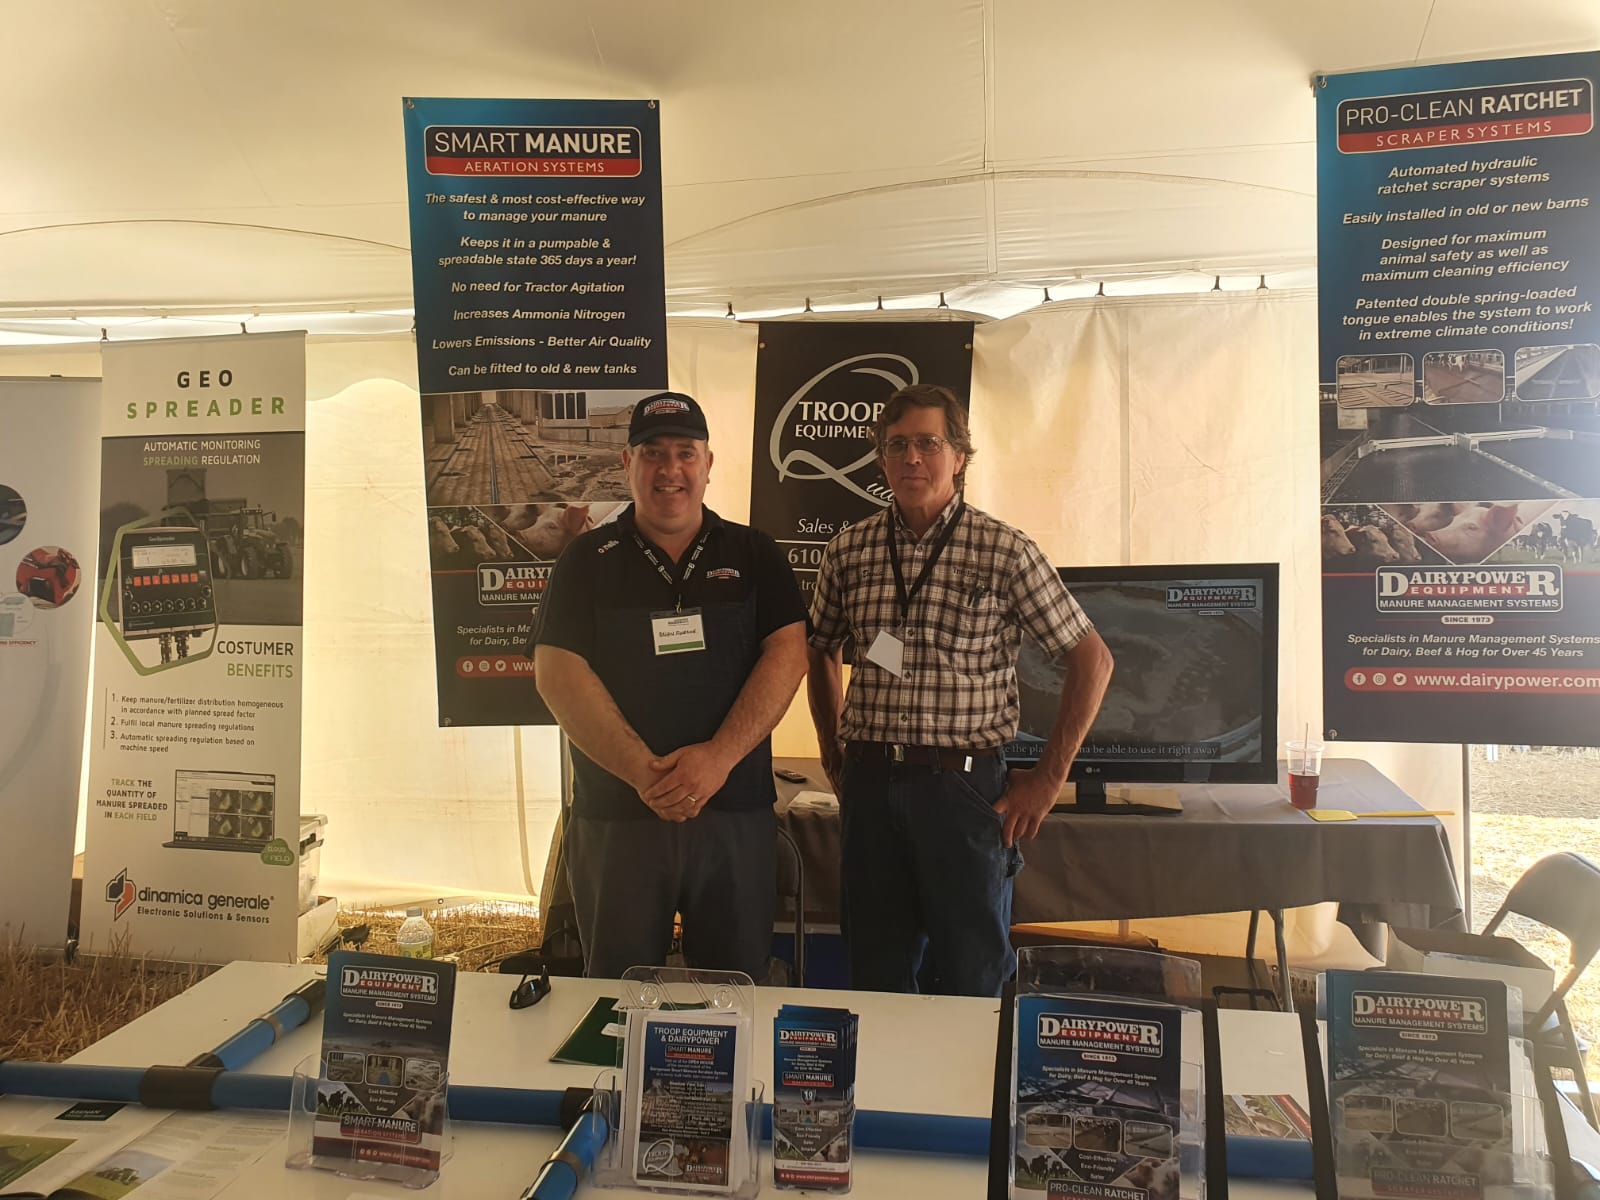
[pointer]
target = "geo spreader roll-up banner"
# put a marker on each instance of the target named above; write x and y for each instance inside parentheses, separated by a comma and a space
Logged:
(194, 758)
(49, 443)
(1458, 211)
(537, 265)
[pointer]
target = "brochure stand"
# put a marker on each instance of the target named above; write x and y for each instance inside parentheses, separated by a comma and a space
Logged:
(1323, 1174)
(1428, 1090)
(372, 1103)
(685, 1115)
(1107, 1090)
(316, 1106)
(1567, 1182)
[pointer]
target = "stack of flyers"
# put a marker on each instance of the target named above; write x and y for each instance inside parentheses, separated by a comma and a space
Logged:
(1420, 1083)
(813, 1102)
(688, 1092)
(1096, 1099)
(385, 1057)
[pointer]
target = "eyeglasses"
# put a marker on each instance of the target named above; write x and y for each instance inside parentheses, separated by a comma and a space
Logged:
(928, 445)
(532, 989)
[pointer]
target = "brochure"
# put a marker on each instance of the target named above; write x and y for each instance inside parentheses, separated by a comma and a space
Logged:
(1420, 1083)
(1096, 1099)
(385, 1060)
(689, 1073)
(44, 1144)
(814, 1063)
(1448, 1031)
(161, 1156)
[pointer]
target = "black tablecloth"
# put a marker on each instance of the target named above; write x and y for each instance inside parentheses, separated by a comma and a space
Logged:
(1234, 848)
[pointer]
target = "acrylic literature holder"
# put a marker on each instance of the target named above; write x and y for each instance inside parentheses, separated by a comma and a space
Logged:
(686, 1067)
(1108, 1074)
(320, 1134)
(1422, 1108)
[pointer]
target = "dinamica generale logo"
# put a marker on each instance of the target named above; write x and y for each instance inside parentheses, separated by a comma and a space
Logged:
(121, 891)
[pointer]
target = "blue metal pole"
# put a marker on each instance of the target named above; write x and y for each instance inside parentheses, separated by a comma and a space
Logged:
(293, 1011)
(203, 1087)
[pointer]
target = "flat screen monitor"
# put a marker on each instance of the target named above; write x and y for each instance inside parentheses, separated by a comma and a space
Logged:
(1194, 690)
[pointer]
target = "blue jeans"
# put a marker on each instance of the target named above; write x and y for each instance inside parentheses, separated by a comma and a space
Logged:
(628, 878)
(925, 872)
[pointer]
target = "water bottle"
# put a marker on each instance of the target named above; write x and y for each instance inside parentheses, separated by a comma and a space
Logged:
(415, 939)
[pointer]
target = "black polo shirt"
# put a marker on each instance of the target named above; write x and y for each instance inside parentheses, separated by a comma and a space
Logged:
(598, 605)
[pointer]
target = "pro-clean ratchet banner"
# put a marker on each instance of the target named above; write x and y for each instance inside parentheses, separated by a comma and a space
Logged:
(819, 387)
(536, 257)
(1459, 252)
(194, 761)
(50, 429)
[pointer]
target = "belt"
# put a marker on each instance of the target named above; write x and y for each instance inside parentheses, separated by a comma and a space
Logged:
(932, 757)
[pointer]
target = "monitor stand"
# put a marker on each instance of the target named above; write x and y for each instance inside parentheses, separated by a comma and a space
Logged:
(1097, 796)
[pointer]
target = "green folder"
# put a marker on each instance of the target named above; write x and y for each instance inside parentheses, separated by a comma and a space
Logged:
(588, 1044)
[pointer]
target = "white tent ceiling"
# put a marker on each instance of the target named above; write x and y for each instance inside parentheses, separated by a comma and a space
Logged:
(207, 157)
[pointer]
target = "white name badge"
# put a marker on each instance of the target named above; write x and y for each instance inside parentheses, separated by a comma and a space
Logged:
(678, 632)
(889, 652)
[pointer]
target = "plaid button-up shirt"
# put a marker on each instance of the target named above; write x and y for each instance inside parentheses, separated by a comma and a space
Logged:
(958, 688)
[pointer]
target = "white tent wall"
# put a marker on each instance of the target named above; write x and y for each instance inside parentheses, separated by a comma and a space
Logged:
(837, 150)
(1172, 429)
(1182, 429)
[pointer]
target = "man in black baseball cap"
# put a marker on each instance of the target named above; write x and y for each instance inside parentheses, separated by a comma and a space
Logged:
(667, 414)
(668, 645)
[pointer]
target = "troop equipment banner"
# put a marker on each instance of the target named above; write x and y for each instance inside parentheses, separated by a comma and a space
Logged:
(536, 257)
(819, 387)
(50, 430)
(1458, 220)
(194, 758)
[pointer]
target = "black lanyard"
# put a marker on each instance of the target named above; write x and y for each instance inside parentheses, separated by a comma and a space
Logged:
(688, 569)
(901, 594)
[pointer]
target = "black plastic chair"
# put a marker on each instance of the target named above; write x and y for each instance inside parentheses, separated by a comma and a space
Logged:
(1562, 892)
(791, 885)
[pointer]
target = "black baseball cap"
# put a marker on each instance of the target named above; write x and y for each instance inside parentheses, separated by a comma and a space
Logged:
(667, 414)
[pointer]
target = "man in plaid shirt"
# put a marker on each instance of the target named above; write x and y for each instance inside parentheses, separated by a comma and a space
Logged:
(936, 596)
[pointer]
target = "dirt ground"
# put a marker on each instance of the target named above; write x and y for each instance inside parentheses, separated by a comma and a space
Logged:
(1537, 781)
(1526, 803)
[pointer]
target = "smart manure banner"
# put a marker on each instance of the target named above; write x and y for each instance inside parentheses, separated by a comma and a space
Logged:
(536, 255)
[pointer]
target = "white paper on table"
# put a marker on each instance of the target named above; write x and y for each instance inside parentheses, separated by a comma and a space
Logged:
(203, 1152)
(822, 801)
(88, 1142)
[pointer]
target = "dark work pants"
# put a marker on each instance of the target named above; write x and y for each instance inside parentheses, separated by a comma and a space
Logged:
(925, 870)
(629, 877)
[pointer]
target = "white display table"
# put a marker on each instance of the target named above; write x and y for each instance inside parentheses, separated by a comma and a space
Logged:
(928, 1054)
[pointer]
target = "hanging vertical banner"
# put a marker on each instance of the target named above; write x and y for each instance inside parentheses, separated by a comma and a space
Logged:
(537, 263)
(194, 754)
(1458, 212)
(51, 432)
(819, 387)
